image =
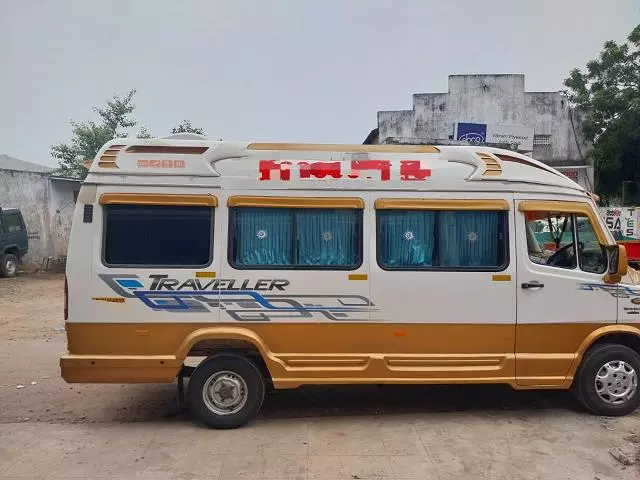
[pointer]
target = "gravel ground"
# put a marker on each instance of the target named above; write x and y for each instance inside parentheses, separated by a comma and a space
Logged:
(52, 430)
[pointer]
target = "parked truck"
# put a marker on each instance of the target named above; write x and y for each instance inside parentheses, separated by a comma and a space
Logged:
(14, 242)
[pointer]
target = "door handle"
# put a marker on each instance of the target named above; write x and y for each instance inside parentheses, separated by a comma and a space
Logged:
(532, 285)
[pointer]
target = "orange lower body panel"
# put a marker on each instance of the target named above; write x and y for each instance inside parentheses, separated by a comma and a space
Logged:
(524, 356)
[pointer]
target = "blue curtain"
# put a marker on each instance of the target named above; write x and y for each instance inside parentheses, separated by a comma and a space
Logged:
(263, 236)
(406, 238)
(470, 239)
(328, 237)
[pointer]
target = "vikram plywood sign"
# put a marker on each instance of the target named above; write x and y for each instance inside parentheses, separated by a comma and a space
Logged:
(518, 135)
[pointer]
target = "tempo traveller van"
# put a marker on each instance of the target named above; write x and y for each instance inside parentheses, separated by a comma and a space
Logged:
(294, 264)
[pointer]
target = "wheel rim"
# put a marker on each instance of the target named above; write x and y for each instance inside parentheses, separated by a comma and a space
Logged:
(225, 393)
(11, 267)
(616, 382)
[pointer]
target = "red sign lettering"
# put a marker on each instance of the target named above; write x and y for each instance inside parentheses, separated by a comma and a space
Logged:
(410, 170)
(266, 166)
(320, 169)
(384, 166)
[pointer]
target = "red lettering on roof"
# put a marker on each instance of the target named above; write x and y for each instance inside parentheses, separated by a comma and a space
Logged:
(411, 170)
(266, 166)
(320, 169)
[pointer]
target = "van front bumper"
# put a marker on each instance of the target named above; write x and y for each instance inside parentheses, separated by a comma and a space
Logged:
(119, 369)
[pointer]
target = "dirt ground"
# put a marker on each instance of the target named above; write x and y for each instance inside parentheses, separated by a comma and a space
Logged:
(52, 430)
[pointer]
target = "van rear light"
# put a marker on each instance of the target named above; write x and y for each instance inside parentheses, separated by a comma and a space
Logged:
(66, 299)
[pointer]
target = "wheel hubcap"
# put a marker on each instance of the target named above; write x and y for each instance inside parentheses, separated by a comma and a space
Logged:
(11, 267)
(616, 382)
(225, 393)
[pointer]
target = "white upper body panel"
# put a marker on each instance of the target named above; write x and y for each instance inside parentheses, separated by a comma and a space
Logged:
(369, 172)
(251, 166)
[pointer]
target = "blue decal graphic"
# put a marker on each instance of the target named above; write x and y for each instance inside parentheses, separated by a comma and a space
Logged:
(618, 291)
(130, 284)
(250, 301)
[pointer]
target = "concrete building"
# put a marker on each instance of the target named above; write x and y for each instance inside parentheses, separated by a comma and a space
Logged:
(47, 203)
(494, 110)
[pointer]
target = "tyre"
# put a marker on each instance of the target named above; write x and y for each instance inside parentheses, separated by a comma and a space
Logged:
(8, 265)
(226, 391)
(607, 382)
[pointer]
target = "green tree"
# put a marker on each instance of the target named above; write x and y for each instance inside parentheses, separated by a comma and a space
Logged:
(144, 133)
(186, 127)
(609, 92)
(88, 137)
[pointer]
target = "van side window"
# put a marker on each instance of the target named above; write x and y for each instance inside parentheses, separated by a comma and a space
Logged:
(13, 223)
(442, 239)
(302, 238)
(550, 239)
(157, 235)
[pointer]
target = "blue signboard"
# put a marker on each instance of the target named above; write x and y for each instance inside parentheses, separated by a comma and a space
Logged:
(471, 132)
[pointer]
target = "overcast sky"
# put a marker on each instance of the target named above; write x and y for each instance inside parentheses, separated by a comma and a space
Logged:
(287, 70)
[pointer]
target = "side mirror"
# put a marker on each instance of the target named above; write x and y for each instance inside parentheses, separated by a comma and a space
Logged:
(618, 265)
(623, 264)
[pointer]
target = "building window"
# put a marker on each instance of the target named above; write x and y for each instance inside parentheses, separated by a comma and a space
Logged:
(157, 235)
(542, 139)
(300, 238)
(442, 239)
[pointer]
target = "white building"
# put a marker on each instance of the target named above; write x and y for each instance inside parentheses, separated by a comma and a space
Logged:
(46, 201)
(494, 110)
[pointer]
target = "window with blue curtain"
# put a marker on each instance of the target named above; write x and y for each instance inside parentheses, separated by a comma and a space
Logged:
(470, 239)
(296, 238)
(406, 238)
(445, 239)
(328, 237)
(262, 236)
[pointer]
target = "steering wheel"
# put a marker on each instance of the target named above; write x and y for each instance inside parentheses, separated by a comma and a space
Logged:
(552, 259)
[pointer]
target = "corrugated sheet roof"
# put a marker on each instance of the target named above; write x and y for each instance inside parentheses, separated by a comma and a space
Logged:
(11, 163)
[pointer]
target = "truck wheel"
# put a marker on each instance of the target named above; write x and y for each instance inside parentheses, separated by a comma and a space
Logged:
(607, 382)
(226, 391)
(8, 265)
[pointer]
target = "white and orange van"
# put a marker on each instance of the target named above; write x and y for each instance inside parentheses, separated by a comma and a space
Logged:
(295, 264)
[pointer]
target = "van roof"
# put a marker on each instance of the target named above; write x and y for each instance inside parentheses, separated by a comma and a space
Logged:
(321, 166)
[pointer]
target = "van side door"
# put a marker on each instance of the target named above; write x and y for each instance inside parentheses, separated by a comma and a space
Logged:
(443, 282)
(561, 297)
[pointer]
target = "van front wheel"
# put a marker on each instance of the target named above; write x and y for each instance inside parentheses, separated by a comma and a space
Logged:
(608, 380)
(226, 391)
(8, 265)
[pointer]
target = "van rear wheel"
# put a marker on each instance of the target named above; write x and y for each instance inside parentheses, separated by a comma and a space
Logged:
(8, 265)
(607, 382)
(226, 391)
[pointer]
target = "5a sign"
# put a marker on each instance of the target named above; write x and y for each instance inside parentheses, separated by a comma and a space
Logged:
(621, 221)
